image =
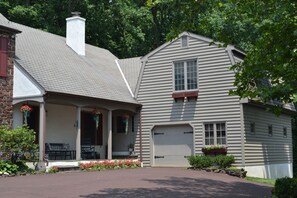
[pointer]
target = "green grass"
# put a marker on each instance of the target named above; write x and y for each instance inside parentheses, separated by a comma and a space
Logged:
(261, 180)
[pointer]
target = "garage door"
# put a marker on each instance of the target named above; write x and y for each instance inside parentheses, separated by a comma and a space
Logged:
(172, 144)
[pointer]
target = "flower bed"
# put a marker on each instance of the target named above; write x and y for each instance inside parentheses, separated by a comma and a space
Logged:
(214, 150)
(106, 165)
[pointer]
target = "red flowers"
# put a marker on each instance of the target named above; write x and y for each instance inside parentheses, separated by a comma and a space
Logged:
(108, 164)
(26, 108)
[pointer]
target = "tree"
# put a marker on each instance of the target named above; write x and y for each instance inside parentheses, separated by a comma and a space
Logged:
(266, 30)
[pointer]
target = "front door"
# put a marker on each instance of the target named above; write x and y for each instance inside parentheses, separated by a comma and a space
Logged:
(91, 128)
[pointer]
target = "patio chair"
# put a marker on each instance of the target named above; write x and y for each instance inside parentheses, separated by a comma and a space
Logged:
(87, 149)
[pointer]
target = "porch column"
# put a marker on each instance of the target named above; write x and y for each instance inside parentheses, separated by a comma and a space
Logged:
(42, 128)
(109, 138)
(78, 134)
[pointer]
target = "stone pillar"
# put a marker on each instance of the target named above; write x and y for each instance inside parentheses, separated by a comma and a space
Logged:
(109, 136)
(78, 133)
(42, 130)
(6, 81)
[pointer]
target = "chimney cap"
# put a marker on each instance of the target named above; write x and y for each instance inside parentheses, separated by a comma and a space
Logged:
(76, 13)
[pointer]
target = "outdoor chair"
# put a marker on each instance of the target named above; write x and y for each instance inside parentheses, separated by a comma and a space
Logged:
(87, 149)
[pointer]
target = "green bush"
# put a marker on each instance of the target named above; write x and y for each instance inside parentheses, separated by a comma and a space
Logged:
(224, 161)
(202, 161)
(16, 143)
(8, 167)
(285, 188)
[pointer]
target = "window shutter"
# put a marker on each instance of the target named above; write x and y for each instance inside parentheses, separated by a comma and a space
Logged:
(3, 56)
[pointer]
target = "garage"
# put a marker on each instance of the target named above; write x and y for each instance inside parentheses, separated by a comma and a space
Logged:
(172, 145)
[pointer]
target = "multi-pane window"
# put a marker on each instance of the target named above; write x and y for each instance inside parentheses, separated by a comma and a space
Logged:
(252, 128)
(215, 133)
(185, 75)
(209, 134)
(285, 131)
(179, 76)
(269, 130)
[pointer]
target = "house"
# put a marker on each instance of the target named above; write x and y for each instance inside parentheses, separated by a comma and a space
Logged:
(169, 103)
(184, 91)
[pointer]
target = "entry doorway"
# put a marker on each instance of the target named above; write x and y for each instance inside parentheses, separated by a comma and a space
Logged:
(91, 128)
(33, 122)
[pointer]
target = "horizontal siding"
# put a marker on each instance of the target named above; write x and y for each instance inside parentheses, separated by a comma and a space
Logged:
(261, 149)
(213, 105)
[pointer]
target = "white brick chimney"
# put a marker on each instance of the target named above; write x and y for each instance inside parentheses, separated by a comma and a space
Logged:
(75, 33)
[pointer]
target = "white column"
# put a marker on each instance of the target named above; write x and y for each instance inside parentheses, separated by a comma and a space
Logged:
(109, 136)
(42, 128)
(78, 134)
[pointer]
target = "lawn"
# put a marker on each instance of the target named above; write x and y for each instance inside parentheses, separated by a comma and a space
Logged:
(261, 180)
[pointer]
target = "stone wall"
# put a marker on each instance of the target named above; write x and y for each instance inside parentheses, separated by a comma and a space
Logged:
(6, 85)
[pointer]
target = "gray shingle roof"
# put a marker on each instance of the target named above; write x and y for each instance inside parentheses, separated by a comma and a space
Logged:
(131, 68)
(7, 24)
(57, 68)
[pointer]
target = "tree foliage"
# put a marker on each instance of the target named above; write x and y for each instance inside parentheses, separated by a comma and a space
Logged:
(265, 30)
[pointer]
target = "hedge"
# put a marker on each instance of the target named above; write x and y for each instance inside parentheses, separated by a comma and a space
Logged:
(202, 161)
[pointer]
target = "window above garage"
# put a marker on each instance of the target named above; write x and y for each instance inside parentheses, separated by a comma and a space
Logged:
(185, 79)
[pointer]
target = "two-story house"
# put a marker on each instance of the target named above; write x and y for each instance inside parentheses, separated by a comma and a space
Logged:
(169, 103)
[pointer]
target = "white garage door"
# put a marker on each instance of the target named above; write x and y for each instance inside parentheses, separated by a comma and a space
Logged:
(172, 145)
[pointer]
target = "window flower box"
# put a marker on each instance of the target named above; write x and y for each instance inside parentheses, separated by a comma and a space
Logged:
(214, 150)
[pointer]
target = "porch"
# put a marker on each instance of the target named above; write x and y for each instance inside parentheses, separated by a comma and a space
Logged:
(106, 128)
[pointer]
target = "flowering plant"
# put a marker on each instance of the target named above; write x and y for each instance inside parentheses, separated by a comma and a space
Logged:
(214, 150)
(26, 108)
(107, 164)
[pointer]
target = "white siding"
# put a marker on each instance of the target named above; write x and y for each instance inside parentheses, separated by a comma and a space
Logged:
(24, 86)
(213, 105)
(261, 149)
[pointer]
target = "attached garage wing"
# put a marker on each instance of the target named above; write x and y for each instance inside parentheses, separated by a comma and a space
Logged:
(172, 145)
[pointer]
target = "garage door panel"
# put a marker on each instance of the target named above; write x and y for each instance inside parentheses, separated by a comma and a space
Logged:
(172, 144)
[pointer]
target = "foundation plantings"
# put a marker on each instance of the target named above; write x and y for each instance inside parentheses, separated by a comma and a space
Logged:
(109, 165)
(217, 164)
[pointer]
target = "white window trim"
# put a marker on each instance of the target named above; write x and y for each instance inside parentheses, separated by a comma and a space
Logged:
(215, 133)
(185, 73)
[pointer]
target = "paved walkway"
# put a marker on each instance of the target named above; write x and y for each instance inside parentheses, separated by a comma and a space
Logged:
(145, 182)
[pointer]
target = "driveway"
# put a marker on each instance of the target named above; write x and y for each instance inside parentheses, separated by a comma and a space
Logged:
(145, 182)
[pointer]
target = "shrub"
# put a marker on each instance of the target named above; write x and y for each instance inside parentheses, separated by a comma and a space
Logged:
(16, 143)
(224, 161)
(200, 161)
(53, 169)
(285, 188)
(8, 167)
(23, 168)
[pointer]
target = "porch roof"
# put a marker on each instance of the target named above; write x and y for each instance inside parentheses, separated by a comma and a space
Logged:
(57, 68)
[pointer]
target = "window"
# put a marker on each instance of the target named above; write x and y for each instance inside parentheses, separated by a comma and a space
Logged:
(184, 41)
(3, 56)
(215, 133)
(185, 75)
(123, 124)
(269, 130)
(285, 132)
(252, 128)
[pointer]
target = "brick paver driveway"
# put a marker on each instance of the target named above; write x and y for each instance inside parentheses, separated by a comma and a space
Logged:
(145, 182)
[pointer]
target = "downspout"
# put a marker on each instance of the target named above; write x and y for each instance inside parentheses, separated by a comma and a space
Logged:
(140, 133)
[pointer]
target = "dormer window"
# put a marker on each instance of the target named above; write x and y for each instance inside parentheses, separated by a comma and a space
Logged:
(184, 41)
(3, 56)
(185, 75)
